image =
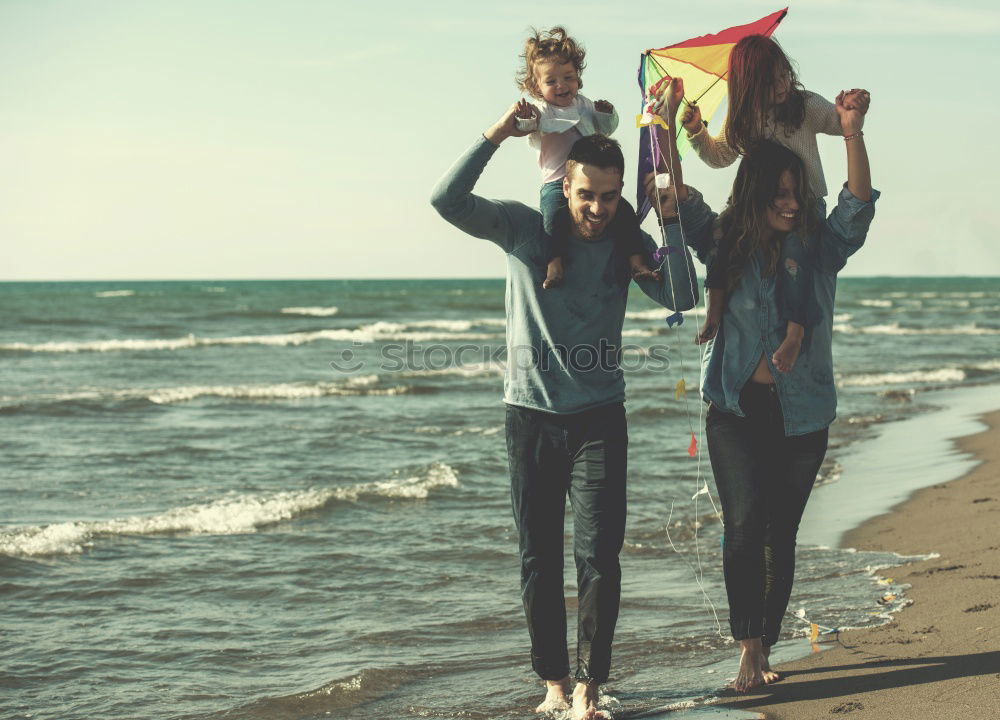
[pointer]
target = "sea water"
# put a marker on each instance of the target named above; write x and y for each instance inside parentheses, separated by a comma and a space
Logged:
(290, 499)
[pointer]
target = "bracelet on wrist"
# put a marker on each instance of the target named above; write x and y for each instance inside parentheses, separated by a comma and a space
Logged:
(859, 133)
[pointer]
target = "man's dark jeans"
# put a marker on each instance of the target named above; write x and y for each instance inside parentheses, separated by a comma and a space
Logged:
(584, 455)
(764, 479)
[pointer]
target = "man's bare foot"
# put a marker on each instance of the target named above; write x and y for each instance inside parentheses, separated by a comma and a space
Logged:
(556, 696)
(750, 674)
(553, 273)
(585, 697)
(788, 352)
(770, 676)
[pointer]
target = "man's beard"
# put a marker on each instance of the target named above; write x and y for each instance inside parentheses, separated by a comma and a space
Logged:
(584, 230)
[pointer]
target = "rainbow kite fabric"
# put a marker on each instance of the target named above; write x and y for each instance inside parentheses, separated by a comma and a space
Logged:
(703, 63)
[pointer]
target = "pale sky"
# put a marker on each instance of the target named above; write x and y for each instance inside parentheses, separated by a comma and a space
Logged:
(173, 139)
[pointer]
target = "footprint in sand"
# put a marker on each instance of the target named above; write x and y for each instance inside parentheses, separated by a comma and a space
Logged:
(848, 707)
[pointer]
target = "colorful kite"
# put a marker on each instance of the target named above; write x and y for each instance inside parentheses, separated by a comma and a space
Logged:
(703, 63)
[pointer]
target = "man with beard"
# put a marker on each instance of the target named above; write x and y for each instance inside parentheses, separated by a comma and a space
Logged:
(565, 393)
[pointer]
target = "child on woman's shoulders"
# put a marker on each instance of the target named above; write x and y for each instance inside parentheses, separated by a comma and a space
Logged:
(767, 102)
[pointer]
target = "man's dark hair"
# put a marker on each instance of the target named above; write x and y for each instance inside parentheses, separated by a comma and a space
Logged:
(597, 150)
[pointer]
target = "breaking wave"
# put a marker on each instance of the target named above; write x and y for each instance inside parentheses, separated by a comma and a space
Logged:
(424, 331)
(311, 311)
(231, 515)
(895, 329)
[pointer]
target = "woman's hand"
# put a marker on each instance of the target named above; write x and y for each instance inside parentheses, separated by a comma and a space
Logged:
(852, 117)
(691, 120)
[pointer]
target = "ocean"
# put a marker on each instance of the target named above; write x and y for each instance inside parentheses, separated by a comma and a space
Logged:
(289, 499)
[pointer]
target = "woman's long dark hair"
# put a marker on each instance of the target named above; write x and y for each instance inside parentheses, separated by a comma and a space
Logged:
(744, 224)
(754, 64)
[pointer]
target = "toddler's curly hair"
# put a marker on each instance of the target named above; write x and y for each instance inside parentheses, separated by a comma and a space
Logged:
(553, 45)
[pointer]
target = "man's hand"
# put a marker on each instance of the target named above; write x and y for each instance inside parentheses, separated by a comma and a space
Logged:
(604, 106)
(852, 119)
(506, 126)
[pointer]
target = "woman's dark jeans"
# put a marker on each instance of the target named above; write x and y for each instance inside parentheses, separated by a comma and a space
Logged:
(584, 455)
(764, 479)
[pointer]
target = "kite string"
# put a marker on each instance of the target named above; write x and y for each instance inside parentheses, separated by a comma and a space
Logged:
(699, 573)
(657, 153)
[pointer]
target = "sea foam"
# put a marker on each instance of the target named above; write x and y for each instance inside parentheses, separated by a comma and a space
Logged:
(440, 331)
(311, 311)
(230, 515)
(941, 375)
(353, 386)
(895, 329)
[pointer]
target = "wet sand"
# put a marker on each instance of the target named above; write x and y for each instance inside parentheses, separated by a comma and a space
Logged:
(939, 657)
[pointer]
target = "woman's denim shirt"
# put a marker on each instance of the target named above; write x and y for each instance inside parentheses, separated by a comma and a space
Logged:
(753, 326)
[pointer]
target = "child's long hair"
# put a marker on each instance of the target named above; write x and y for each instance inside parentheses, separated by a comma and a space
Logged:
(754, 64)
(548, 46)
(744, 222)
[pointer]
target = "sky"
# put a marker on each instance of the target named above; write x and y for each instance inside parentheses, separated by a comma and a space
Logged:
(211, 139)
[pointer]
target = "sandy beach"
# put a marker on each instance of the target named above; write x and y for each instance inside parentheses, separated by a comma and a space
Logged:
(940, 657)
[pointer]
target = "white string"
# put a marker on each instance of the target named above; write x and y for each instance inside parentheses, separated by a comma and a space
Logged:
(697, 577)
(699, 573)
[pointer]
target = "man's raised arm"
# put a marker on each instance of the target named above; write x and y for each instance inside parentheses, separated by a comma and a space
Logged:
(500, 222)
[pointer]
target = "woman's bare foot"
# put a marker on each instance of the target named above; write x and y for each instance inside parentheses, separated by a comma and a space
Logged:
(750, 674)
(553, 273)
(770, 676)
(556, 696)
(788, 352)
(585, 702)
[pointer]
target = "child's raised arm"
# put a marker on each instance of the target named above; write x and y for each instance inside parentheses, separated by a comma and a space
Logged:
(852, 120)
(666, 139)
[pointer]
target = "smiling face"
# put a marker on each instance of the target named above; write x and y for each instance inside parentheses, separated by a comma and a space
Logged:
(592, 194)
(783, 211)
(558, 82)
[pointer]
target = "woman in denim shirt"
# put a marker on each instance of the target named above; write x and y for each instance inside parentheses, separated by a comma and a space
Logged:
(767, 431)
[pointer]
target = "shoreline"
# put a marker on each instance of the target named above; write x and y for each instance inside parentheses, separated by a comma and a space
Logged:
(940, 656)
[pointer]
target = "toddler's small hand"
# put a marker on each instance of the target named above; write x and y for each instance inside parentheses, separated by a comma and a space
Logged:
(604, 106)
(525, 109)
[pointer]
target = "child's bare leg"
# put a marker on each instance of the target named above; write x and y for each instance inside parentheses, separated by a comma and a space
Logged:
(788, 352)
(640, 270)
(713, 315)
(553, 273)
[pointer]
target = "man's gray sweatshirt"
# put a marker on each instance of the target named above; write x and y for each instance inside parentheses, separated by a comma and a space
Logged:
(563, 343)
